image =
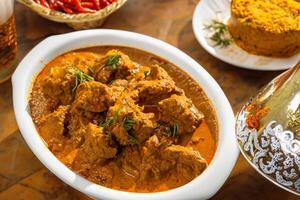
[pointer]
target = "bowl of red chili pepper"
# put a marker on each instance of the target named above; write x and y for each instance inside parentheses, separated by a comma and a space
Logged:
(79, 14)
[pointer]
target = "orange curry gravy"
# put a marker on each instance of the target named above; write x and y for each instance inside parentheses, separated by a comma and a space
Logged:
(204, 138)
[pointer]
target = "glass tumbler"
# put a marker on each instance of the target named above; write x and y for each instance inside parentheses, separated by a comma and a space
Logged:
(8, 41)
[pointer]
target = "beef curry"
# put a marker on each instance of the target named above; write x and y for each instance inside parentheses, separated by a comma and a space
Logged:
(124, 118)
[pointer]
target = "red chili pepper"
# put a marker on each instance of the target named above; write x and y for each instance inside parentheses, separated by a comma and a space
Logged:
(78, 6)
(51, 3)
(75, 6)
(44, 3)
(68, 10)
(97, 4)
(67, 1)
(88, 5)
(104, 3)
(65, 6)
(60, 5)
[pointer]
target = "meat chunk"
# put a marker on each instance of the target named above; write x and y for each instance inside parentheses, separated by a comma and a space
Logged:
(153, 91)
(190, 163)
(117, 87)
(130, 125)
(105, 75)
(180, 110)
(121, 83)
(78, 120)
(153, 166)
(126, 68)
(157, 86)
(93, 96)
(59, 80)
(113, 65)
(158, 73)
(159, 160)
(122, 136)
(52, 127)
(58, 85)
(95, 149)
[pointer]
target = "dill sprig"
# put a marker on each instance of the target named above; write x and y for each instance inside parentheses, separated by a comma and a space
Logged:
(110, 120)
(173, 130)
(92, 70)
(113, 61)
(128, 123)
(128, 127)
(220, 33)
(147, 73)
(80, 76)
(110, 137)
(133, 140)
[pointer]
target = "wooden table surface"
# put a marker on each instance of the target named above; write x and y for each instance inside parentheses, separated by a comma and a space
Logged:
(22, 176)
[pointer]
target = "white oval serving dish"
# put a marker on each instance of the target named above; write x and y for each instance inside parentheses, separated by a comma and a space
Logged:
(208, 10)
(202, 187)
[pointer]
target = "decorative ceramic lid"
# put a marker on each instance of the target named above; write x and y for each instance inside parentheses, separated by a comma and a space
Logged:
(268, 131)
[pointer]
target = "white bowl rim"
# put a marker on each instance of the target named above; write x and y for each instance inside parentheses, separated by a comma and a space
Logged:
(209, 181)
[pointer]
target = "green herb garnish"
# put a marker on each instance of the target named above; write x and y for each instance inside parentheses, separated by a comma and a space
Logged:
(113, 61)
(92, 70)
(109, 121)
(147, 73)
(220, 33)
(173, 130)
(109, 136)
(80, 76)
(133, 140)
(128, 123)
(128, 127)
